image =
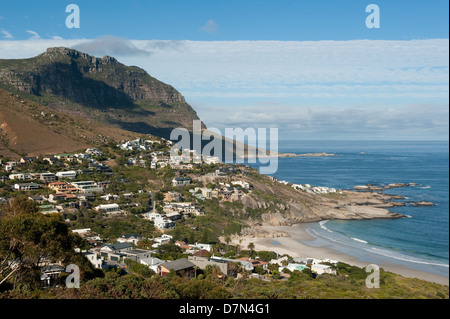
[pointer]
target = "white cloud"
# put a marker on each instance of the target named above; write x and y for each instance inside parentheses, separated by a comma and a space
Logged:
(416, 121)
(211, 26)
(112, 46)
(34, 34)
(7, 35)
(395, 87)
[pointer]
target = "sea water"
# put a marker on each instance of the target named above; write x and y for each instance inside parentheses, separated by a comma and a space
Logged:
(420, 241)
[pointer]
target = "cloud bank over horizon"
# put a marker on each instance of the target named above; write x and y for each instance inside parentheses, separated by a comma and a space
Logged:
(314, 89)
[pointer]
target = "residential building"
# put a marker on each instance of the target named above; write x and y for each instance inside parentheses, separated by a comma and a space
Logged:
(94, 259)
(50, 275)
(120, 247)
(172, 197)
(51, 160)
(20, 176)
(38, 199)
(163, 223)
(87, 187)
(137, 254)
(255, 263)
(59, 186)
(246, 265)
(173, 216)
(180, 181)
(108, 208)
(242, 184)
(152, 262)
(203, 262)
(26, 187)
(47, 177)
(180, 266)
(29, 159)
(323, 269)
(130, 238)
(67, 174)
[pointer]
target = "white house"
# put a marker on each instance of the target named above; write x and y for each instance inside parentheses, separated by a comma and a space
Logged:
(242, 184)
(207, 247)
(67, 175)
(108, 208)
(152, 216)
(20, 176)
(179, 181)
(26, 187)
(81, 230)
(130, 238)
(322, 269)
(94, 259)
(162, 223)
(152, 263)
(164, 239)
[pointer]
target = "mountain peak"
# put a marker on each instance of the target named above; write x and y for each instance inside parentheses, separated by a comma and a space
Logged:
(56, 52)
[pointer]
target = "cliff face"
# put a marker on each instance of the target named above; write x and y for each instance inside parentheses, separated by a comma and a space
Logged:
(101, 89)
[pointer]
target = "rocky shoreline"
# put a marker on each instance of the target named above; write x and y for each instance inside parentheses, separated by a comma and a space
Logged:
(364, 202)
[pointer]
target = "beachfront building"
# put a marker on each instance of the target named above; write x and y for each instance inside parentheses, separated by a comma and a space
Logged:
(323, 269)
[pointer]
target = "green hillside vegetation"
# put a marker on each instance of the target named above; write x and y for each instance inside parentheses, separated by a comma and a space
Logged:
(27, 236)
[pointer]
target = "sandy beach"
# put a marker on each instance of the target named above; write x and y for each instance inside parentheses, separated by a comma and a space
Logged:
(295, 247)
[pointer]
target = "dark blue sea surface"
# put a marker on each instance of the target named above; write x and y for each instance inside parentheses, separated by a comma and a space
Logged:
(421, 241)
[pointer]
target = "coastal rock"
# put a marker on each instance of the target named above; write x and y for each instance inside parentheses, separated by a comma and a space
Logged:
(258, 232)
(423, 203)
(367, 188)
(398, 185)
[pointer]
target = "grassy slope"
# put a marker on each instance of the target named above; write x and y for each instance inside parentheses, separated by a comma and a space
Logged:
(25, 130)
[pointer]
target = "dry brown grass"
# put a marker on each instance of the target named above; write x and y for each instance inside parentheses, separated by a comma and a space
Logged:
(25, 130)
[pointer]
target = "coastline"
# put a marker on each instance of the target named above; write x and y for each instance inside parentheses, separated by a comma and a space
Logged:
(295, 246)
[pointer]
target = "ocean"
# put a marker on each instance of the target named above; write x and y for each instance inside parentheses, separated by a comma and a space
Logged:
(419, 242)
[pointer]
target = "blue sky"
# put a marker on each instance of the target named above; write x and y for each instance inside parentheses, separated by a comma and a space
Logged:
(291, 20)
(311, 68)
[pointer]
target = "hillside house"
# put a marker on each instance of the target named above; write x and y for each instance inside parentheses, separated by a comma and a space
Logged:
(180, 181)
(152, 263)
(47, 177)
(67, 175)
(94, 259)
(20, 176)
(108, 209)
(181, 266)
(30, 159)
(87, 187)
(26, 186)
(172, 197)
(130, 238)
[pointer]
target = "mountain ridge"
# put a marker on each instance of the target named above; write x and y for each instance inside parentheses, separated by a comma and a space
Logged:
(100, 89)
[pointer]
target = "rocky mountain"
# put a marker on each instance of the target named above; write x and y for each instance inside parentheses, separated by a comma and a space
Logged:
(99, 89)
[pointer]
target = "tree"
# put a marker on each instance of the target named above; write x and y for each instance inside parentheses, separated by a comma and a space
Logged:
(251, 246)
(228, 241)
(28, 239)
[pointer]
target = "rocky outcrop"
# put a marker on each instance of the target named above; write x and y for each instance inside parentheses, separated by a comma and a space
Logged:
(423, 203)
